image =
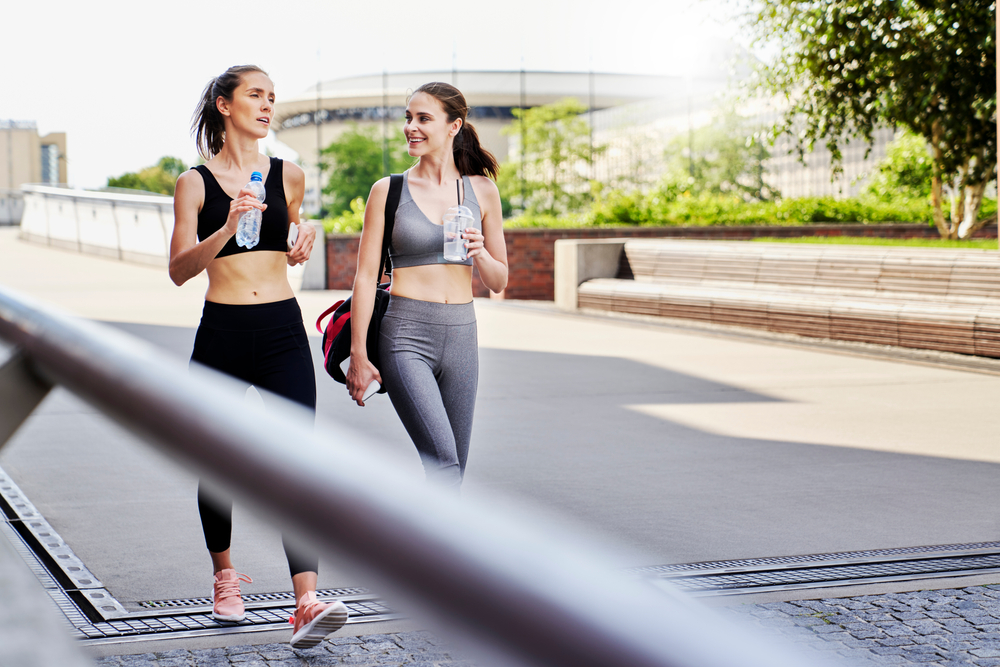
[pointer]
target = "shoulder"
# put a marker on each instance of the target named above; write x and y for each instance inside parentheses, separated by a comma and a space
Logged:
(484, 188)
(189, 195)
(290, 169)
(191, 182)
(380, 189)
(292, 173)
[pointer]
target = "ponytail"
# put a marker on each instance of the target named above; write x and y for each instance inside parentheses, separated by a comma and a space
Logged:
(470, 157)
(208, 124)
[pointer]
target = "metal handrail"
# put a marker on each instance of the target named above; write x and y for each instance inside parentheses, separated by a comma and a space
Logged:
(116, 195)
(485, 570)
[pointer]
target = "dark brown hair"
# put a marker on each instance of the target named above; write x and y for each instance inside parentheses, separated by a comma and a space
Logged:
(470, 157)
(208, 124)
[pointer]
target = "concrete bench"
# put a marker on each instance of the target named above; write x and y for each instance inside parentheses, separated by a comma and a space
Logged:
(936, 299)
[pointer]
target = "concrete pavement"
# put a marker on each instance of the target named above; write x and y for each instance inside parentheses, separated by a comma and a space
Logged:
(676, 445)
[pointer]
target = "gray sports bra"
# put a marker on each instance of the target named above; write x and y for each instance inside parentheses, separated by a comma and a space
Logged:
(415, 239)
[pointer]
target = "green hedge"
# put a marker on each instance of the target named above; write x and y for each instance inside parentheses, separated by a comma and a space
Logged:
(625, 210)
(657, 210)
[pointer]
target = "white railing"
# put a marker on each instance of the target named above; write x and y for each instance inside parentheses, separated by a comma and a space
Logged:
(130, 227)
(11, 206)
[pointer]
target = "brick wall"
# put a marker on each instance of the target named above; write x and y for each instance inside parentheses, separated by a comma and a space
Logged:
(530, 252)
(341, 260)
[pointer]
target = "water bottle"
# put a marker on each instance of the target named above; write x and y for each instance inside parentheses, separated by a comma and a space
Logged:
(455, 222)
(248, 230)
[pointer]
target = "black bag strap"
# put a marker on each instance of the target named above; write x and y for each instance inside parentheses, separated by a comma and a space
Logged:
(391, 204)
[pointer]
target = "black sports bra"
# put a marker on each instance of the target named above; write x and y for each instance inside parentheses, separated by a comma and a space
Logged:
(274, 222)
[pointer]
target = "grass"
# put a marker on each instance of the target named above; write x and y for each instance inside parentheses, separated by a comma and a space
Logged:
(974, 244)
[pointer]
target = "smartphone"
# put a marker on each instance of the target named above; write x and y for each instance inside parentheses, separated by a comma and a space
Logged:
(372, 389)
(293, 234)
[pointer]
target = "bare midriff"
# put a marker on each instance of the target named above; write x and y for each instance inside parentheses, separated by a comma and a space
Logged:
(248, 278)
(438, 283)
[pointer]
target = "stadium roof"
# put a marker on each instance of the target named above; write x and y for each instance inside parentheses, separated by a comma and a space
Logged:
(483, 88)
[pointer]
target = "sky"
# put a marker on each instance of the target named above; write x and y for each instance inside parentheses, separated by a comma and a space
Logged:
(123, 78)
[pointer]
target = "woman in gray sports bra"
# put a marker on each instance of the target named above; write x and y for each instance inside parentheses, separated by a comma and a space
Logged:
(428, 348)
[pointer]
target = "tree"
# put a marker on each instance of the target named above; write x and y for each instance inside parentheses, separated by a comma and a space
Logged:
(723, 157)
(354, 162)
(159, 178)
(847, 67)
(555, 144)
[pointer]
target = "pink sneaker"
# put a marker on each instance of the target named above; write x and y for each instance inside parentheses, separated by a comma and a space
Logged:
(314, 620)
(227, 604)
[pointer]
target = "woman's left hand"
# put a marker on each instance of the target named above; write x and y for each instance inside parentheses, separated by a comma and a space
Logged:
(303, 244)
(474, 242)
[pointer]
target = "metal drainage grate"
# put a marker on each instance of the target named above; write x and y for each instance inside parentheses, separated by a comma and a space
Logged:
(96, 617)
(144, 627)
(874, 555)
(250, 599)
(820, 571)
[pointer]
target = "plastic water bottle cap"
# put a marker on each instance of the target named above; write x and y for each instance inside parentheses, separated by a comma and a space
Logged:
(256, 176)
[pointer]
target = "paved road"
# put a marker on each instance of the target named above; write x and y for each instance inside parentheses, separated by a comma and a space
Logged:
(672, 445)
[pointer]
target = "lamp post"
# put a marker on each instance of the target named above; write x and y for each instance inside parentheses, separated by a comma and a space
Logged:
(593, 167)
(10, 154)
(385, 122)
(523, 137)
(690, 132)
(319, 151)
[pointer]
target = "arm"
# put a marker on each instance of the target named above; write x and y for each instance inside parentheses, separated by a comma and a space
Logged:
(488, 248)
(188, 258)
(362, 371)
(295, 185)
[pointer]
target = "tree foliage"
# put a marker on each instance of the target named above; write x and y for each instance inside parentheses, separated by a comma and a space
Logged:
(354, 162)
(555, 144)
(848, 67)
(348, 222)
(159, 178)
(906, 171)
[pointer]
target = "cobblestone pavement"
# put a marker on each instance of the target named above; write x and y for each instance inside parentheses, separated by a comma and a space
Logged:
(943, 628)
(930, 628)
(413, 649)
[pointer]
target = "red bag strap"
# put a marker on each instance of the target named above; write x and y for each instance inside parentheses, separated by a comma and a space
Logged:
(391, 204)
(325, 313)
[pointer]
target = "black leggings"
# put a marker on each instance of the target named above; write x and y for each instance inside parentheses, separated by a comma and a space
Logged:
(265, 345)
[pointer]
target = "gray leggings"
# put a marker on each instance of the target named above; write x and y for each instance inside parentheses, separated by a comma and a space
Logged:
(429, 354)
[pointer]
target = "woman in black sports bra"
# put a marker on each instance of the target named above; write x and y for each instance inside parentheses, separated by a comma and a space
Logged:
(251, 327)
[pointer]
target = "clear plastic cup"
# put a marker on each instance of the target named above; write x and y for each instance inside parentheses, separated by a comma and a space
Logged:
(456, 220)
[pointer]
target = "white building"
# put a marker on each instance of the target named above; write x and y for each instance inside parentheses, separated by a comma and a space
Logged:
(26, 157)
(380, 100)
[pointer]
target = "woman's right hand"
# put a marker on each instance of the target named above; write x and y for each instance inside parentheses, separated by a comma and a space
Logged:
(360, 374)
(245, 201)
